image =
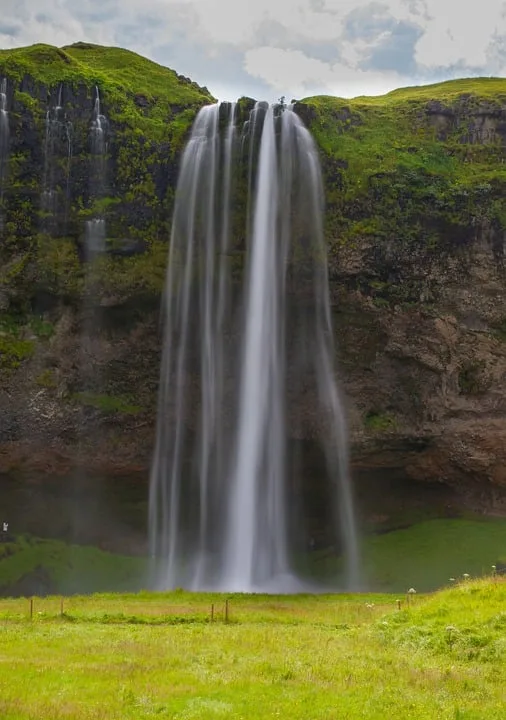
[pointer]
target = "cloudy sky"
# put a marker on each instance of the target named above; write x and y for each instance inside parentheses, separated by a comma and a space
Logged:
(269, 48)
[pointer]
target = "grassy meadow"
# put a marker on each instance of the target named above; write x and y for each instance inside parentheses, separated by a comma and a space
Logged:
(301, 657)
(423, 556)
(180, 655)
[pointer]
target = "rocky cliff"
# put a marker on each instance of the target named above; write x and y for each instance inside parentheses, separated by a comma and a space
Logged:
(416, 218)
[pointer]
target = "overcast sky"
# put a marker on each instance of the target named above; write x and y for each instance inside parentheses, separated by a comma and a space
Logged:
(269, 48)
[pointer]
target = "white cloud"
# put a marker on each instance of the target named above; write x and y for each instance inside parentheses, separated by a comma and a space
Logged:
(330, 45)
(299, 75)
(460, 32)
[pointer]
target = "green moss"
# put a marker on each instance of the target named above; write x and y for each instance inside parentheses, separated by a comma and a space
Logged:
(13, 351)
(69, 568)
(42, 328)
(27, 100)
(46, 379)
(397, 170)
(108, 404)
(58, 267)
(379, 422)
(148, 99)
(144, 274)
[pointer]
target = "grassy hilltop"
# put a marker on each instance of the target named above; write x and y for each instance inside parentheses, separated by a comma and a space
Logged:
(139, 92)
(420, 169)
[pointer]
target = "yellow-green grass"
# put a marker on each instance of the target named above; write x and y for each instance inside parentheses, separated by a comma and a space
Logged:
(414, 151)
(303, 657)
(168, 102)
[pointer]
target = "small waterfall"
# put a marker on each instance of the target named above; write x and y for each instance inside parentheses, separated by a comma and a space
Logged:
(221, 499)
(55, 127)
(90, 375)
(55, 181)
(96, 228)
(4, 144)
(69, 131)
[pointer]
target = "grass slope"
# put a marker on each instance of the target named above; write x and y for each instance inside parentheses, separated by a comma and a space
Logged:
(415, 165)
(121, 74)
(322, 658)
(423, 556)
(58, 567)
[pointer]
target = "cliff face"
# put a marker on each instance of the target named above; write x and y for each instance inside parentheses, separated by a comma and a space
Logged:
(416, 214)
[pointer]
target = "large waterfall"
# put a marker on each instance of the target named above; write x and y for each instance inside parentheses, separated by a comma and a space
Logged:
(4, 143)
(244, 350)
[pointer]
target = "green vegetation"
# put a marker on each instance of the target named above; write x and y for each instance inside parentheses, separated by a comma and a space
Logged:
(108, 404)
(149, 109)
(426, 555)
(43, 329)
(319, 657)
(135, 90)
(63, 568)
(46, 379)
(419, 172)
(18, 335)
(423, 556)
(379, 422)
(14, 351)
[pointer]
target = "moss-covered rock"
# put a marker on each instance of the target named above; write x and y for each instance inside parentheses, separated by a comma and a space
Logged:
(149, 110)
(421, 168)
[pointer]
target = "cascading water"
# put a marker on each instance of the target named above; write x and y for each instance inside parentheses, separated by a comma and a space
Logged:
(96, 228)
(221, 497)
(68, 136)
(54, 129)
(58, 142)
(4, 143)
(90, 375)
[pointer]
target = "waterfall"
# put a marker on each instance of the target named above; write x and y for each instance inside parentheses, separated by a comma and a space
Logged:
(4, 144)
(199, 243)
(90, 375)
(55, 182)
(55, 128)
(69, 130)
(96, 228)
(221, 499)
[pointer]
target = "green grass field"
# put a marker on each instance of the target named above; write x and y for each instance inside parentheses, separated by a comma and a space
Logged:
(326, 657)
(423, 556)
